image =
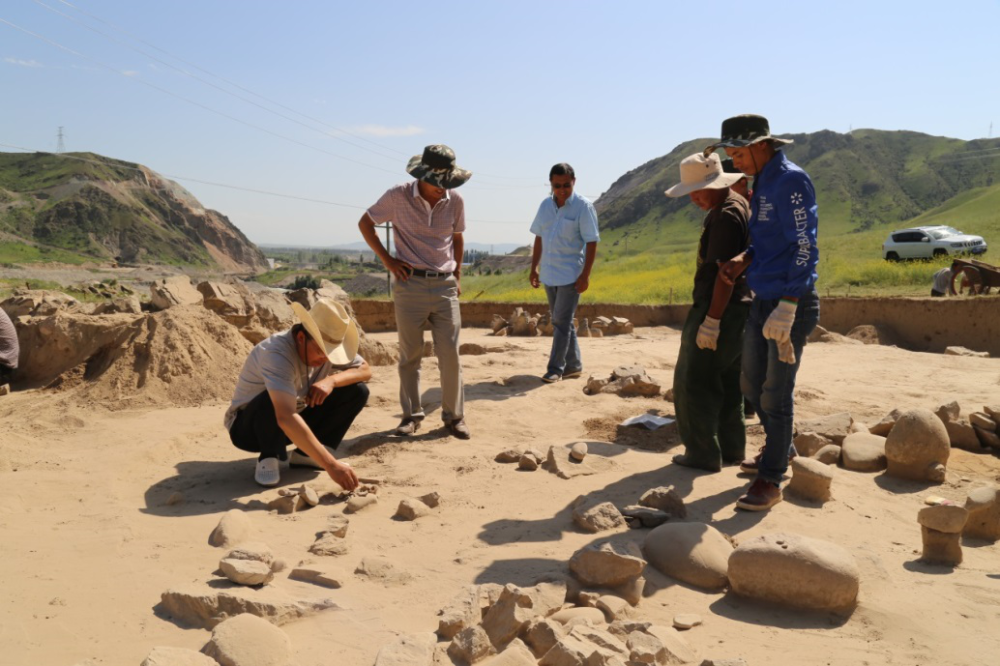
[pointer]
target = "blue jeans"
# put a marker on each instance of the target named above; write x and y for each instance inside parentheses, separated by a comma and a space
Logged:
(565, 355)
(769, 383)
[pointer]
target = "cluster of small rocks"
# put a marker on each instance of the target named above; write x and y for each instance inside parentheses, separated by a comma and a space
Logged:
(522, 323)
(566, 461)
(412, 508)
(626, 381)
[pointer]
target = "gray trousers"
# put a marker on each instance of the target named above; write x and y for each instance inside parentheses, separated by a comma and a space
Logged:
(421, 301)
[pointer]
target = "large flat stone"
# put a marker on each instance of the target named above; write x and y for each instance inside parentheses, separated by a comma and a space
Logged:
(201, 605)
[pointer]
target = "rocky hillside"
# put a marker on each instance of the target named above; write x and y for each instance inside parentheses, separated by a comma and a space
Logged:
(865, 179)
(108, 209)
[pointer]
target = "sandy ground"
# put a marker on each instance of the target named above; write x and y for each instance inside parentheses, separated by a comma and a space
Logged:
(88, 543)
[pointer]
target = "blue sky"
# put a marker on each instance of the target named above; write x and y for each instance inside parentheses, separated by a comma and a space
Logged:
(513, 87)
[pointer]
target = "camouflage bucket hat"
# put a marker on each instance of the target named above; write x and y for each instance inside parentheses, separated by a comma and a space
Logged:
(745, 130)
(437, 167)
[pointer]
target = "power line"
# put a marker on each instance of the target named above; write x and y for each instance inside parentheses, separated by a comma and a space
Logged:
(233, 84)
(189, 179)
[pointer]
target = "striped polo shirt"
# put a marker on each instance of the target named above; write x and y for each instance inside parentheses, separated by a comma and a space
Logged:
(423, 235)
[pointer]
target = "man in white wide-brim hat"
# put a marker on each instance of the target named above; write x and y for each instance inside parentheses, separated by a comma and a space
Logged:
(303, 386)
(707, 398)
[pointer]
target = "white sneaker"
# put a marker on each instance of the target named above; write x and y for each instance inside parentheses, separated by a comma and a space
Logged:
(267, 473)
(296, 459)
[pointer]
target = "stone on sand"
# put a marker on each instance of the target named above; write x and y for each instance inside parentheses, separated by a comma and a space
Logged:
(666, 499)
(200, 605)
(946, 518)
(542, 633)
(317, 575)
(559, 463)
(808, 443)
(863, 452)
(337, 525)
(461, 612)
(982, 420)
(987, 438)
(358, 502)
(614, 608)
(592, 515)
(252, 550)
(175, 656)
(678, 650)
(941, 531)
(828, 455)
(567, 615)
(686, 621)
(645, 648)
(917, 448)
(644, 517)
(834, 427)
(811, 479)
(246, 572)
(407, 650)
(508, 456)
(515, 654)
(328, 544)
(433, 500)
(963, 351)
(382, 569)
(411, 509)
(508, 616)
(962, 435)
(247, 640)
(470, 645)
(794, 570)
(695, 553)
(607, 563)
(529, 461)
(578, 451)
(233, 527)
(883, 427)
(983, 504)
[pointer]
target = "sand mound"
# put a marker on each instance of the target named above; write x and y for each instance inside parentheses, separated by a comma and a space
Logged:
(183, 356)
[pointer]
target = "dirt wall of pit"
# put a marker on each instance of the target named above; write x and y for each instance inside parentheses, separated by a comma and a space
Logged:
(921, 324)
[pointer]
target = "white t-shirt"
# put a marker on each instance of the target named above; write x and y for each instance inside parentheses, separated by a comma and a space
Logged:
(274, 365)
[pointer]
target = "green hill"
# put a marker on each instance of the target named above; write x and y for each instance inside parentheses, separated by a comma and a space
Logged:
(84, 207)
(867, 182)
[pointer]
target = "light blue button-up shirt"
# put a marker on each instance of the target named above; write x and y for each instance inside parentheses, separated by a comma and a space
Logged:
(565, 233)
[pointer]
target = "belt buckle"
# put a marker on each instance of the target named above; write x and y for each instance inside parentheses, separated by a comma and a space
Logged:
(433, 274)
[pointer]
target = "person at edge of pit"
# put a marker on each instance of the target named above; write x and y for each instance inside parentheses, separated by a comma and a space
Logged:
(562, 257)
(428, 217)
(708, 402)
(10, 350)
(742, 188)
(303, 386)
(780, 267)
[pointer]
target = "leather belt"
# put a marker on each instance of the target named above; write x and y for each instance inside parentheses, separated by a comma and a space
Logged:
(419, 272)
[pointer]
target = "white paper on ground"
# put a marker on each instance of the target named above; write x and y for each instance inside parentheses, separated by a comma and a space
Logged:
(648, 421)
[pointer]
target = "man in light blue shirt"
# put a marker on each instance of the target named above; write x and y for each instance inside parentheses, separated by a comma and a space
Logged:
(566, 237)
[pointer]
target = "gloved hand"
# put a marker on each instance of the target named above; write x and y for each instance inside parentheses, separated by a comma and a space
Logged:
(708, 334)
(786, 352)
(778, 326)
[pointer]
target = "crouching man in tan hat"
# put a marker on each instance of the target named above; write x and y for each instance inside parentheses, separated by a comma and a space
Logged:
(707, 397)
(303, 386)
(429, 218)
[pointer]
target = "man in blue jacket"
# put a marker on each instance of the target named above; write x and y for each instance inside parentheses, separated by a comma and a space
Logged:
(780, 265)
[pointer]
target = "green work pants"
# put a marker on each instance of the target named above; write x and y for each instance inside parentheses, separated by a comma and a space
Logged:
(707, 399)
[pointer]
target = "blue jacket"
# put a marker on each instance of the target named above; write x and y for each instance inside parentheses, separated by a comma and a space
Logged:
(783, 231)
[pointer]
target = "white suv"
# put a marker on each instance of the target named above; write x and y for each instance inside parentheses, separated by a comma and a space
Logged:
(927, 242)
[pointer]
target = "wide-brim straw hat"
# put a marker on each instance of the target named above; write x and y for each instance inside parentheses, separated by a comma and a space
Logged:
(437, 167)
(331, 327)
(745, 130)
(699, 172)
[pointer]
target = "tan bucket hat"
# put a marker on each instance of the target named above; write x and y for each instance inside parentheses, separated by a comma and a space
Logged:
(329, 325)
(699, 172)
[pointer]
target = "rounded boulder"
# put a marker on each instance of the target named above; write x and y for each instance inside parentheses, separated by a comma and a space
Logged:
(247, 640)
(917, 447)
(695, 553)
(797, 571)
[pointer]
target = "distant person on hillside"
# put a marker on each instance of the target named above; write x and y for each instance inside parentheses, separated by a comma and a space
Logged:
(566, 237)
(303, 386)
(428, 217)
(941, 286)
(10, 350)
(707, 398)
(780, 267)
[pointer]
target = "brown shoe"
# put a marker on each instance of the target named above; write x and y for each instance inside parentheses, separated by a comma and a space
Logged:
(761, 496)
(408, 426)
(457, 428)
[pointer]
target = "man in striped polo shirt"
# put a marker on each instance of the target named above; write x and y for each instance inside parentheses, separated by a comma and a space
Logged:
(429, 218)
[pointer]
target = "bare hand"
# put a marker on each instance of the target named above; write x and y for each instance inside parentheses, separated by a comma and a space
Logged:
(534, 279)
(582, 283)
(320, 391)
(732, 269)
(400, 269)
(458, 281)
(343, 475)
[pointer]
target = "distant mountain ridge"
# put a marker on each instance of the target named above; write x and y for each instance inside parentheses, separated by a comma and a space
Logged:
(108, 209)
(864, 180)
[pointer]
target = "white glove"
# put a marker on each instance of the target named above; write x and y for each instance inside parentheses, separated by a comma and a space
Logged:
(778, 326)
(708, 334)
(786, 352)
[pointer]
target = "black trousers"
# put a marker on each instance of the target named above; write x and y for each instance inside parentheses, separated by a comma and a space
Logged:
(256, 427)
(6, 374)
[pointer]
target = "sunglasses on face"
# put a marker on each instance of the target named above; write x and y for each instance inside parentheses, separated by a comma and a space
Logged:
(558, 186)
